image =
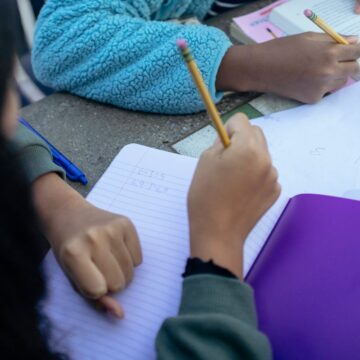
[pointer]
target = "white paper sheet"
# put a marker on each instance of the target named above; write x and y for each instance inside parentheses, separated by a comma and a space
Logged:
(316, 148)
(339, 14)
(150, 187)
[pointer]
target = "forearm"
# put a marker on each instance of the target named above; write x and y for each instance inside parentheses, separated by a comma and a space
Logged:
(238, 70)
(115, 56)
(54, 200)
(217, 320)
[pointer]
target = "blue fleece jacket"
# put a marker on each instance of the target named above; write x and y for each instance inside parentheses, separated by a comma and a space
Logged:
(123, 52)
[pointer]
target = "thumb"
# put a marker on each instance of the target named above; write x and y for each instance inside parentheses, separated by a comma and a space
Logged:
(111, 306)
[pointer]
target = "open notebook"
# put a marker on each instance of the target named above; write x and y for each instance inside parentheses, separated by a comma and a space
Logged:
(339, 14)
(315, 149)
(149, 186)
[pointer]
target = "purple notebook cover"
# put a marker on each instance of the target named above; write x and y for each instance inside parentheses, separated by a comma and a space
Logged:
(307, 280)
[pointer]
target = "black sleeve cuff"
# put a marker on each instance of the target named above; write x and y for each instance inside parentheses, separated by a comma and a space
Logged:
(196, 266)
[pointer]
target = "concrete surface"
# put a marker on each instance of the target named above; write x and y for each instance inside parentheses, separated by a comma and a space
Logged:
(91, 134)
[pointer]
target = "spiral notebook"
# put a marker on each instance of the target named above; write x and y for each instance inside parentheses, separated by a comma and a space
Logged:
(315, 149)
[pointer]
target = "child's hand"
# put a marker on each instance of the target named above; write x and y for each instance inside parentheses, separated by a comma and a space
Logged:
(232, 188)
(302, 67)
(357, 7)
(98, 250)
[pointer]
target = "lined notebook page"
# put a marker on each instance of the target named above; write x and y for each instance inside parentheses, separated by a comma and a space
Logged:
(339, 14)
(150, 187)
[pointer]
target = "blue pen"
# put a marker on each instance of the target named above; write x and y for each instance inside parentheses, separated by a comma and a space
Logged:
(72, 171)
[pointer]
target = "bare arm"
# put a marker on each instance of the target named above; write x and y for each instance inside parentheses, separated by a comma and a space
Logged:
(98, 250)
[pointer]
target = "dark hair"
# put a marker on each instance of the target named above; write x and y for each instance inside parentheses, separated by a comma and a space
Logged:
(22, 284)
(7, 47)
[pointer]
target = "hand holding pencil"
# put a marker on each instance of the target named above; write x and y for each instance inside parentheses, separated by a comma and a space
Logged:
(231, 189)
(325, 27)
(341, 40)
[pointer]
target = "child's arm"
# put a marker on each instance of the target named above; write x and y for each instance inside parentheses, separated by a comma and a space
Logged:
(231, 190)
(217, 320)
(34, 154)
(98, 250)
(357, 7)
(116, 52)
(119, 52)
(302, 67)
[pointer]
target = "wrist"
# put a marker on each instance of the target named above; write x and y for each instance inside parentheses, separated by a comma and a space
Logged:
(196, 266)
(236, 72)
(224, 252)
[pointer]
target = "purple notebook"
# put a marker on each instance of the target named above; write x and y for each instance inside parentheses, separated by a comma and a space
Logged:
(307, 280)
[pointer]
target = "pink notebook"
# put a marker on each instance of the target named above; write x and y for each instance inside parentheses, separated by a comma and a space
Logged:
(255, 25)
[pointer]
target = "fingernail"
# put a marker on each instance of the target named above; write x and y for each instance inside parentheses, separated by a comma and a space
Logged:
(353, 39)
(116, 313)
(111, 306)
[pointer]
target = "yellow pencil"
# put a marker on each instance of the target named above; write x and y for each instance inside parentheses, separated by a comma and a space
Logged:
(199, 81)
(324, 26)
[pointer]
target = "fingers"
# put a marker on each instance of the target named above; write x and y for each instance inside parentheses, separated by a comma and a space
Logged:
(338, 84)
(349, 69)
(260, 136)
(352, 39)
(103, 260)
(348, 52)
(122, 255)
(117, 259)
(276, 193)
(84, 273)
(357, 7)
(112, 306)
(132, 242)
(346, 70)
(240, 126)
(317, 36)
(237, 124)
(240, 130)
(111, 269)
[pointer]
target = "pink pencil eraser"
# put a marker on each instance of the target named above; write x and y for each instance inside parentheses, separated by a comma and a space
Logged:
(181, 43)
(308, 13)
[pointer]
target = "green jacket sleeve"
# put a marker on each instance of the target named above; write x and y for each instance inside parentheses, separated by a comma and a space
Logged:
(217, 320)
(34, 154)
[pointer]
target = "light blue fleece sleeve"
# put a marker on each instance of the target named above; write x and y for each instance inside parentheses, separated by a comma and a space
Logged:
(122, 52)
